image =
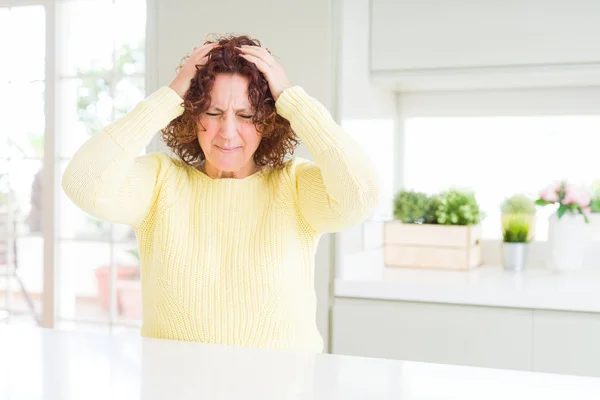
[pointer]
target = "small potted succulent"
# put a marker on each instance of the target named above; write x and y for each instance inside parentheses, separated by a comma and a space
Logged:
(519, 204)
(516, 237)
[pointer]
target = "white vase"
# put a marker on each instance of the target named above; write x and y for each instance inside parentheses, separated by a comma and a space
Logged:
(566, 242)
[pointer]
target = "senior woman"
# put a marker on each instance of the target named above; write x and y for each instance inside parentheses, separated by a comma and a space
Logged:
(227, 230)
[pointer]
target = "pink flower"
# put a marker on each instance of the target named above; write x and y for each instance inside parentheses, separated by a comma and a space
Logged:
(550, 194)
(587, 211)
(576, 195)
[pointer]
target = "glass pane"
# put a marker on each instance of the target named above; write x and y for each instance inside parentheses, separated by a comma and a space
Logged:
(130, 27)
(124, 233)
(6, 227)
(498, 156)
(128, 93)
(129, 288)
(23, 127)
(77, 224)
(5, 42)
(25, 185)
(27, 280)
(4, 121)
(6, 198)
(85, 108)
(83, 279)
(88, 44)
(25, 56)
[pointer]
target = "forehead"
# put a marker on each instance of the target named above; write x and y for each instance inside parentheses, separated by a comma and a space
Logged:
(229, 89)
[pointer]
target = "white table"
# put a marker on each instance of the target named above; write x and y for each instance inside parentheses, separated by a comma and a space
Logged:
(46, 364)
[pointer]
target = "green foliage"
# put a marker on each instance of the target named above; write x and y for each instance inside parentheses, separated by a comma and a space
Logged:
(516, 228)
(457, 207)
(412, 207)
(595, 203)
(135, 253)
(518, 204)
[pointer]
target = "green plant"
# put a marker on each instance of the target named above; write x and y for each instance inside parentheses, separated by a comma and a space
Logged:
(456, 207)
(516, 229)
(595, 203)
(518, 204)
(412, 207)
(135, 253)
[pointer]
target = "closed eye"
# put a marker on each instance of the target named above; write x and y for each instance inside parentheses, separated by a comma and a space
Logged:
(246, 116)
(212, 114)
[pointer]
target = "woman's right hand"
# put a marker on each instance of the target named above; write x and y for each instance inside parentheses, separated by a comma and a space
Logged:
(186, 73)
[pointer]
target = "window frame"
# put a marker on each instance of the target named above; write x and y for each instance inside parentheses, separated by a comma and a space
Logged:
(52, 158)
(493, 103)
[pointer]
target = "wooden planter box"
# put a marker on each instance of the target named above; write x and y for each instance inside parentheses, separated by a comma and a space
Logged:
(432, 246)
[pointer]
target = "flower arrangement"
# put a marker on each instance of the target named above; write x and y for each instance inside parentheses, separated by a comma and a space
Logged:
(570, 198)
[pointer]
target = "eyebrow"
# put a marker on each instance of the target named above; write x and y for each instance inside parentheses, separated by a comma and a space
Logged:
(237, 110)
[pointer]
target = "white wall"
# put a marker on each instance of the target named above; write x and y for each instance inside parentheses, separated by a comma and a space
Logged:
(300, 34)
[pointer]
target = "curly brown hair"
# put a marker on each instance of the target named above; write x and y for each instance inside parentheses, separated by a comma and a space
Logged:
(277, 137)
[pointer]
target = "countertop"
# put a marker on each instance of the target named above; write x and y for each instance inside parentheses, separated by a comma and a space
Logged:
(484, 286)
(48, 364)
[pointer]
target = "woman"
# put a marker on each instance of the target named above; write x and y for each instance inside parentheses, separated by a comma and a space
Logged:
(228, 230)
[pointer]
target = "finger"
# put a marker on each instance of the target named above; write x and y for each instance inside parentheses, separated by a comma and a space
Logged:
(204, 49)
(260, 64)
(259, 52)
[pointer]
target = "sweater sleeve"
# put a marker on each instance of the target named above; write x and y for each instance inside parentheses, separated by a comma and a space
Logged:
(340, 189)
(108, 178)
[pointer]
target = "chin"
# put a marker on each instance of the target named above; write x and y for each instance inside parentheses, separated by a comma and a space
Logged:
(228, 164)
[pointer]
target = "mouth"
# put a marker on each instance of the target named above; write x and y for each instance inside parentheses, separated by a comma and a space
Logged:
(227, 149)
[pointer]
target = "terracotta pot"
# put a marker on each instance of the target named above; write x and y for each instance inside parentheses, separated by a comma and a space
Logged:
(124, 272)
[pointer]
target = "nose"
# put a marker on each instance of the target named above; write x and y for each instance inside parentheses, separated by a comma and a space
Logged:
(229, 126)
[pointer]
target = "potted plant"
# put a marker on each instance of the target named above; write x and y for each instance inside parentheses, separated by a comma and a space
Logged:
(127, 285)
(412, 207)
(129, 292)
(567, 225)
(522, 205)
(516, 236)
(594, 217)
(434, 231)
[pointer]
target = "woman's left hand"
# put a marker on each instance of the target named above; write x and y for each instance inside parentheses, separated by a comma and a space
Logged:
(265, 62)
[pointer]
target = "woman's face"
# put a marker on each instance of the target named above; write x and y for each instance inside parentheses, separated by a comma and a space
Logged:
(229, 138)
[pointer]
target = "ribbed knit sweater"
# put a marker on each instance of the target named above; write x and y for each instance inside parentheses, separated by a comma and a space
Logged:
(226, 261)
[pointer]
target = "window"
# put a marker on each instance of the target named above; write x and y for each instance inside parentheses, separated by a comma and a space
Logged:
(99, 77)
(376, 137)
(499, 156)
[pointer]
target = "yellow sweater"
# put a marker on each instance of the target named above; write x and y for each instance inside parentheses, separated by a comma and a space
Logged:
(227, 261)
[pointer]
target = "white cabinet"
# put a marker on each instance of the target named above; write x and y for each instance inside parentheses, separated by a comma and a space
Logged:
(433, 34)
(566, 343)
(439, 333)
(466, 44)
(494, 337)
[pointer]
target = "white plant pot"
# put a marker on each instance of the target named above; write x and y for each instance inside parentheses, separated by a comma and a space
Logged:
(567, 238)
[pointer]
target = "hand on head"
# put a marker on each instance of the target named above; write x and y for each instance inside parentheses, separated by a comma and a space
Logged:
(259, 56)
(186, 73)
(266, 63)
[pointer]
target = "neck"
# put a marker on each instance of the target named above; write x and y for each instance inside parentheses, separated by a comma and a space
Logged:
(215, 173)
